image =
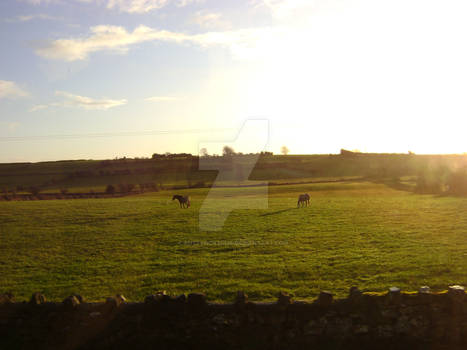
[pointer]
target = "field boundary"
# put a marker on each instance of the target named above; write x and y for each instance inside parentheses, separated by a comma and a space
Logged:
(391, 320)
(96, 195)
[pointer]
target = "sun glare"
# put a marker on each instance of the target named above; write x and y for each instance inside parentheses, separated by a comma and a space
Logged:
(370, 77)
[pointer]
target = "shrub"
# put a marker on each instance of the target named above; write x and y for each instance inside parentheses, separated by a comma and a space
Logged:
(34, 190)
(427, 184)
(228, 151)
(457, 182)
(63, 191)
(110, 189)
(432, 179)
(126, 188)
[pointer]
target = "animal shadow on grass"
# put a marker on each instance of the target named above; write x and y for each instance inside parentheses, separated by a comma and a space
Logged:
(276, 212)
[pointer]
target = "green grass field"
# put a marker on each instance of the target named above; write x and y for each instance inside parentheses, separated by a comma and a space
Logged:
(356, 233)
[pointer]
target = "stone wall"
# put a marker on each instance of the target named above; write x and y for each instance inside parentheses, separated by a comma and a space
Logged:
(392, 320)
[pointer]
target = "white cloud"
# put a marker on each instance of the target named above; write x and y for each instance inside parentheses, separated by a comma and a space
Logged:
(243, 43)
(128, 6)
(283, 9)
(210, 20)
(40, 2)
(10, 126)
(136, 6)
(161, 99)
(40, 16)
(183, 3)
(102, 38)
(88, 103)
(9, 89)
(143, 6)
(38, 108)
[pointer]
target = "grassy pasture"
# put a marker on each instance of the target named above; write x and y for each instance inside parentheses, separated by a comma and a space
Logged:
(354, 233)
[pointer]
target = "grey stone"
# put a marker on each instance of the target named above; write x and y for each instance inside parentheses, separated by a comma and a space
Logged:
(325, 298)
(197, 299)
(181, 298)
(71, 302)
(79, 297)
(456, 291)
(314, 327)
(361, 329)
(115, 302)
(156, 298)
(241, 298)
(354, 292)
(456, 288)
(111, 303)
(424, 289)
(220, 319)
(120, 298)
(6, 298)
(284, 299)
(37, 299)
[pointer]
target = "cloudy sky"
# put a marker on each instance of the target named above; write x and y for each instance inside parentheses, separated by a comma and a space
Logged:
(106, 78)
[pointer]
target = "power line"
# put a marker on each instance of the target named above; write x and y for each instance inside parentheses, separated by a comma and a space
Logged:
(111, 134)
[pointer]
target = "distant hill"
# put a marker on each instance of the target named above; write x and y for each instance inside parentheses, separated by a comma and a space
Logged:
(183, 170)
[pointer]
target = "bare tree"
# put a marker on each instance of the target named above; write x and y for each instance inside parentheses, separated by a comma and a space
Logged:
(285, 150)
(228, 151)
(203, 152)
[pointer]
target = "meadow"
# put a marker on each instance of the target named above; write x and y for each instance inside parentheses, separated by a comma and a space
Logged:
(353, 233)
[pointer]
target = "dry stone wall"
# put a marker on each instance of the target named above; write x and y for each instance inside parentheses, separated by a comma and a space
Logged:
(392, 320)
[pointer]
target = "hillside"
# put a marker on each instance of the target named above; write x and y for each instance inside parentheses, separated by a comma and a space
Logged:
(184, 170)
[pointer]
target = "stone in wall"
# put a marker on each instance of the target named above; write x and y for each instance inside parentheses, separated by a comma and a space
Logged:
(392, 320)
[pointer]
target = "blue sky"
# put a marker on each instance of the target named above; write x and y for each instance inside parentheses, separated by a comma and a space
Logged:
(370, 75)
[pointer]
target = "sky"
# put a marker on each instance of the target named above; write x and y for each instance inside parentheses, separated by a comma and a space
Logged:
(98, 79)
